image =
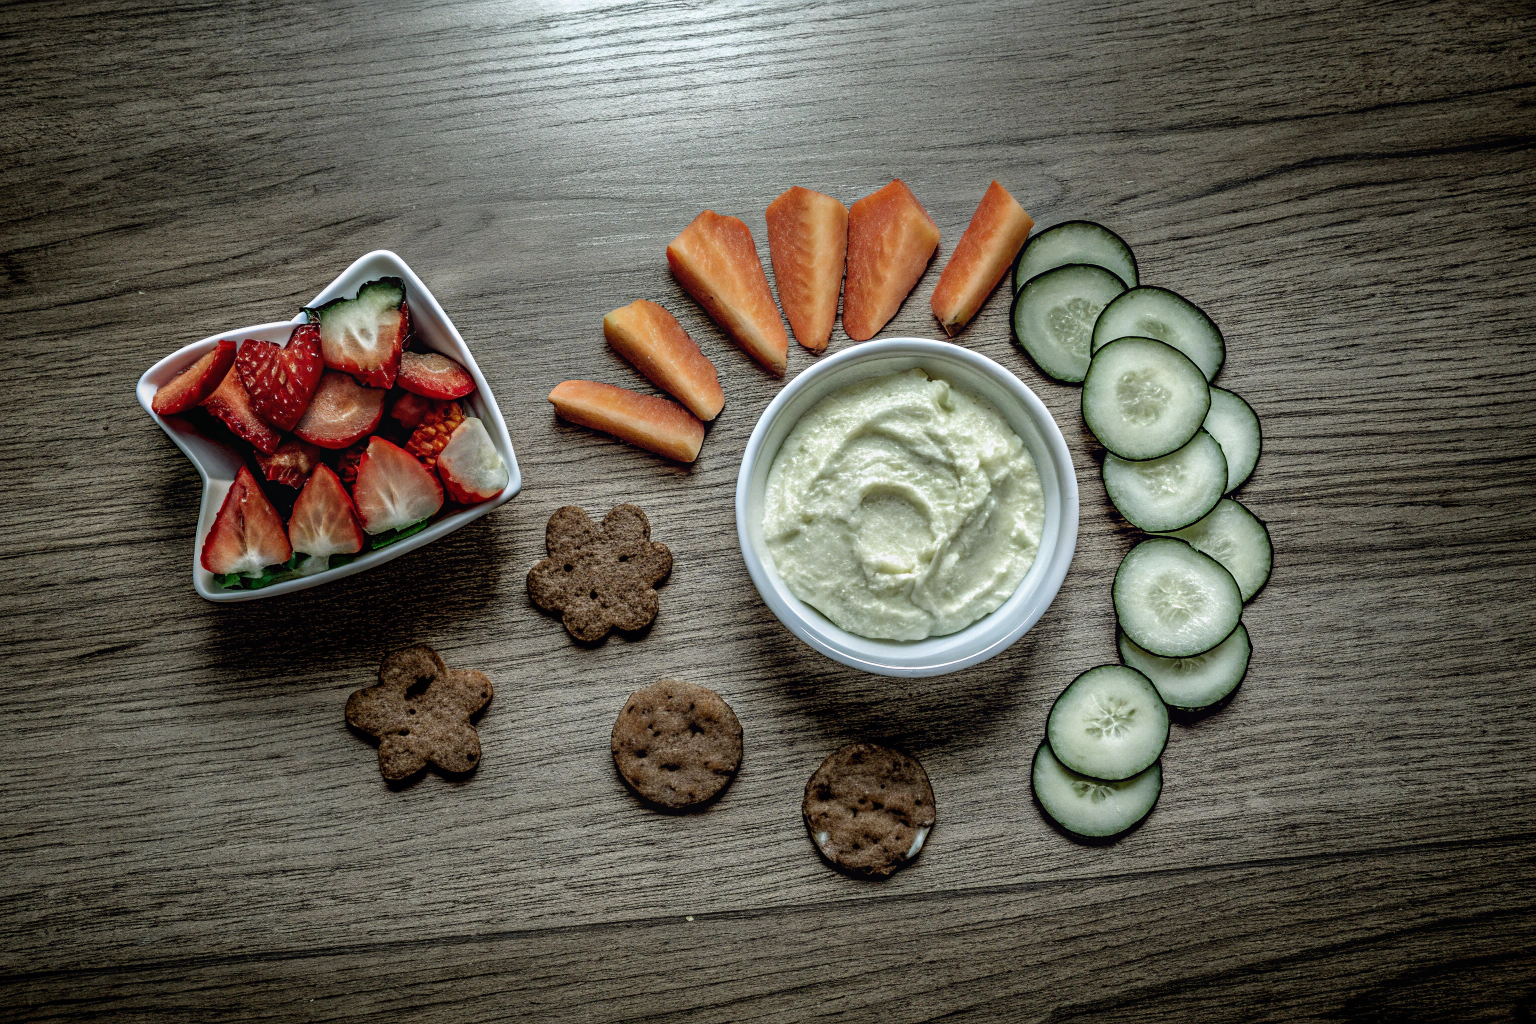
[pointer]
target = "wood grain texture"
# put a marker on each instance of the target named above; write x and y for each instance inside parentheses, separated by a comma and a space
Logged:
(190, 831)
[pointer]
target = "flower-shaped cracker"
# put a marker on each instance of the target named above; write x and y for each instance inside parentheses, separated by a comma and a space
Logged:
(420, 711)
(600, 578)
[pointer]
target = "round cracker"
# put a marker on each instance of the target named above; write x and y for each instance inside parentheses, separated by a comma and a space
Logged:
(676, 744)
(869, 809)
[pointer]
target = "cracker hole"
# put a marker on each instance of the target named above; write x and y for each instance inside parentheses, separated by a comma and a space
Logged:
(405, 732)
(641, 753)
(623, 558)
(419, 687)
(410, 711)
(696, 728)
(567, 566)
(593, 595)
(670, 767)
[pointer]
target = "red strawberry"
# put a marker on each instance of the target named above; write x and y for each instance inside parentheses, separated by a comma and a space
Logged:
(323, 522)
(291, 464)
(365, 336)
(247, 535)
(436, 427)
(410, 409)
(281, 379)
(346, 466)
(230, 403)
(393, 489)
(433, 375)
(196, 382)
(471, 468)
(341, 413)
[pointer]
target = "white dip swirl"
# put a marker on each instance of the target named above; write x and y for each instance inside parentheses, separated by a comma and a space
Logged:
(903, 507)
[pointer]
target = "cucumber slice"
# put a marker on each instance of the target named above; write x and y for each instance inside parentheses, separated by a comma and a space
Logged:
(1110, 723)
(1149, 312)
(1173, 600)
(1053, 317)
(1237, 539)
(1091, 807)
(1192, 684)
(1236, 428)
(1075, 241)
(1143, 399)
(1159, 495)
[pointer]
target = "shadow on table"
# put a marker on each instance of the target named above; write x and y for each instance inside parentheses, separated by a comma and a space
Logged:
(432, 595)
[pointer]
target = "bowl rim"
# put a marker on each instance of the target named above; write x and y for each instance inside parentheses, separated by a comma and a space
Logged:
(896, 658)
(424, 308)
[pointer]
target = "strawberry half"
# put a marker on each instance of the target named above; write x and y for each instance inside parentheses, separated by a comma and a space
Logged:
(247, 535)
(429, 438)
(393, 488)
(342, 412)
(281, 379)
(195, 383)
(433, 375)
(291, 464)
(471, 468)
(230, 403)
(365, 336)
(410, 409)
(324, 522)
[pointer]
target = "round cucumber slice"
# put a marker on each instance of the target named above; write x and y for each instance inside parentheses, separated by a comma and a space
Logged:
(1053, 317)
(1110, 723)
(1143, 399)
(1173, 600)
(1074, 241)
(1193, 684)
(1236, 428)
(1237, 539)
(1094, 808)
(1148, 312)
(1169, 493)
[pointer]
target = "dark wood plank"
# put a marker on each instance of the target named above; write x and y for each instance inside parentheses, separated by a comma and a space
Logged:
(1446, 935)
(1347, 187)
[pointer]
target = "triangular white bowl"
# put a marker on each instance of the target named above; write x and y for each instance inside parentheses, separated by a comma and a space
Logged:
(217, 463)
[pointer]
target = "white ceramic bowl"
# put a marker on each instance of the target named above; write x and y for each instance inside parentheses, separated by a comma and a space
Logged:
(987, 636)
(217, 463)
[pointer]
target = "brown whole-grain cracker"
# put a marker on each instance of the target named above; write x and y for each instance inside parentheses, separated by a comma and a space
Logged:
(600, 577)
(678, 745)
(420, 711)
(869, 809)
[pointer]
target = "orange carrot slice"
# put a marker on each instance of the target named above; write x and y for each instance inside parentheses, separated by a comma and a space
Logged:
(652, 339)
(808, 243)
(891, 238)
(654, 424)
(994, 237)
(716, 260)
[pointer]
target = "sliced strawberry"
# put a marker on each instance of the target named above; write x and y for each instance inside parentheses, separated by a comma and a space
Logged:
(471, 468)
(393, 488)
(281, 379)
(365, 336)
(230, 403)
(808, 243)
(291, 464)
(433, 375)
(652, 339)
(342, 412)
(715, 260)
(247, 535)
(324, 523)
(346, 466)
(196, 382)
(436, 427)
(409, 409)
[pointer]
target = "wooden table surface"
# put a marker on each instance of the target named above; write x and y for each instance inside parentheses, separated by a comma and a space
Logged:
(188, 829)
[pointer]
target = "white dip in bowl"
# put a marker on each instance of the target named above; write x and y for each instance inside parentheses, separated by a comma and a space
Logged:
(903, 507)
